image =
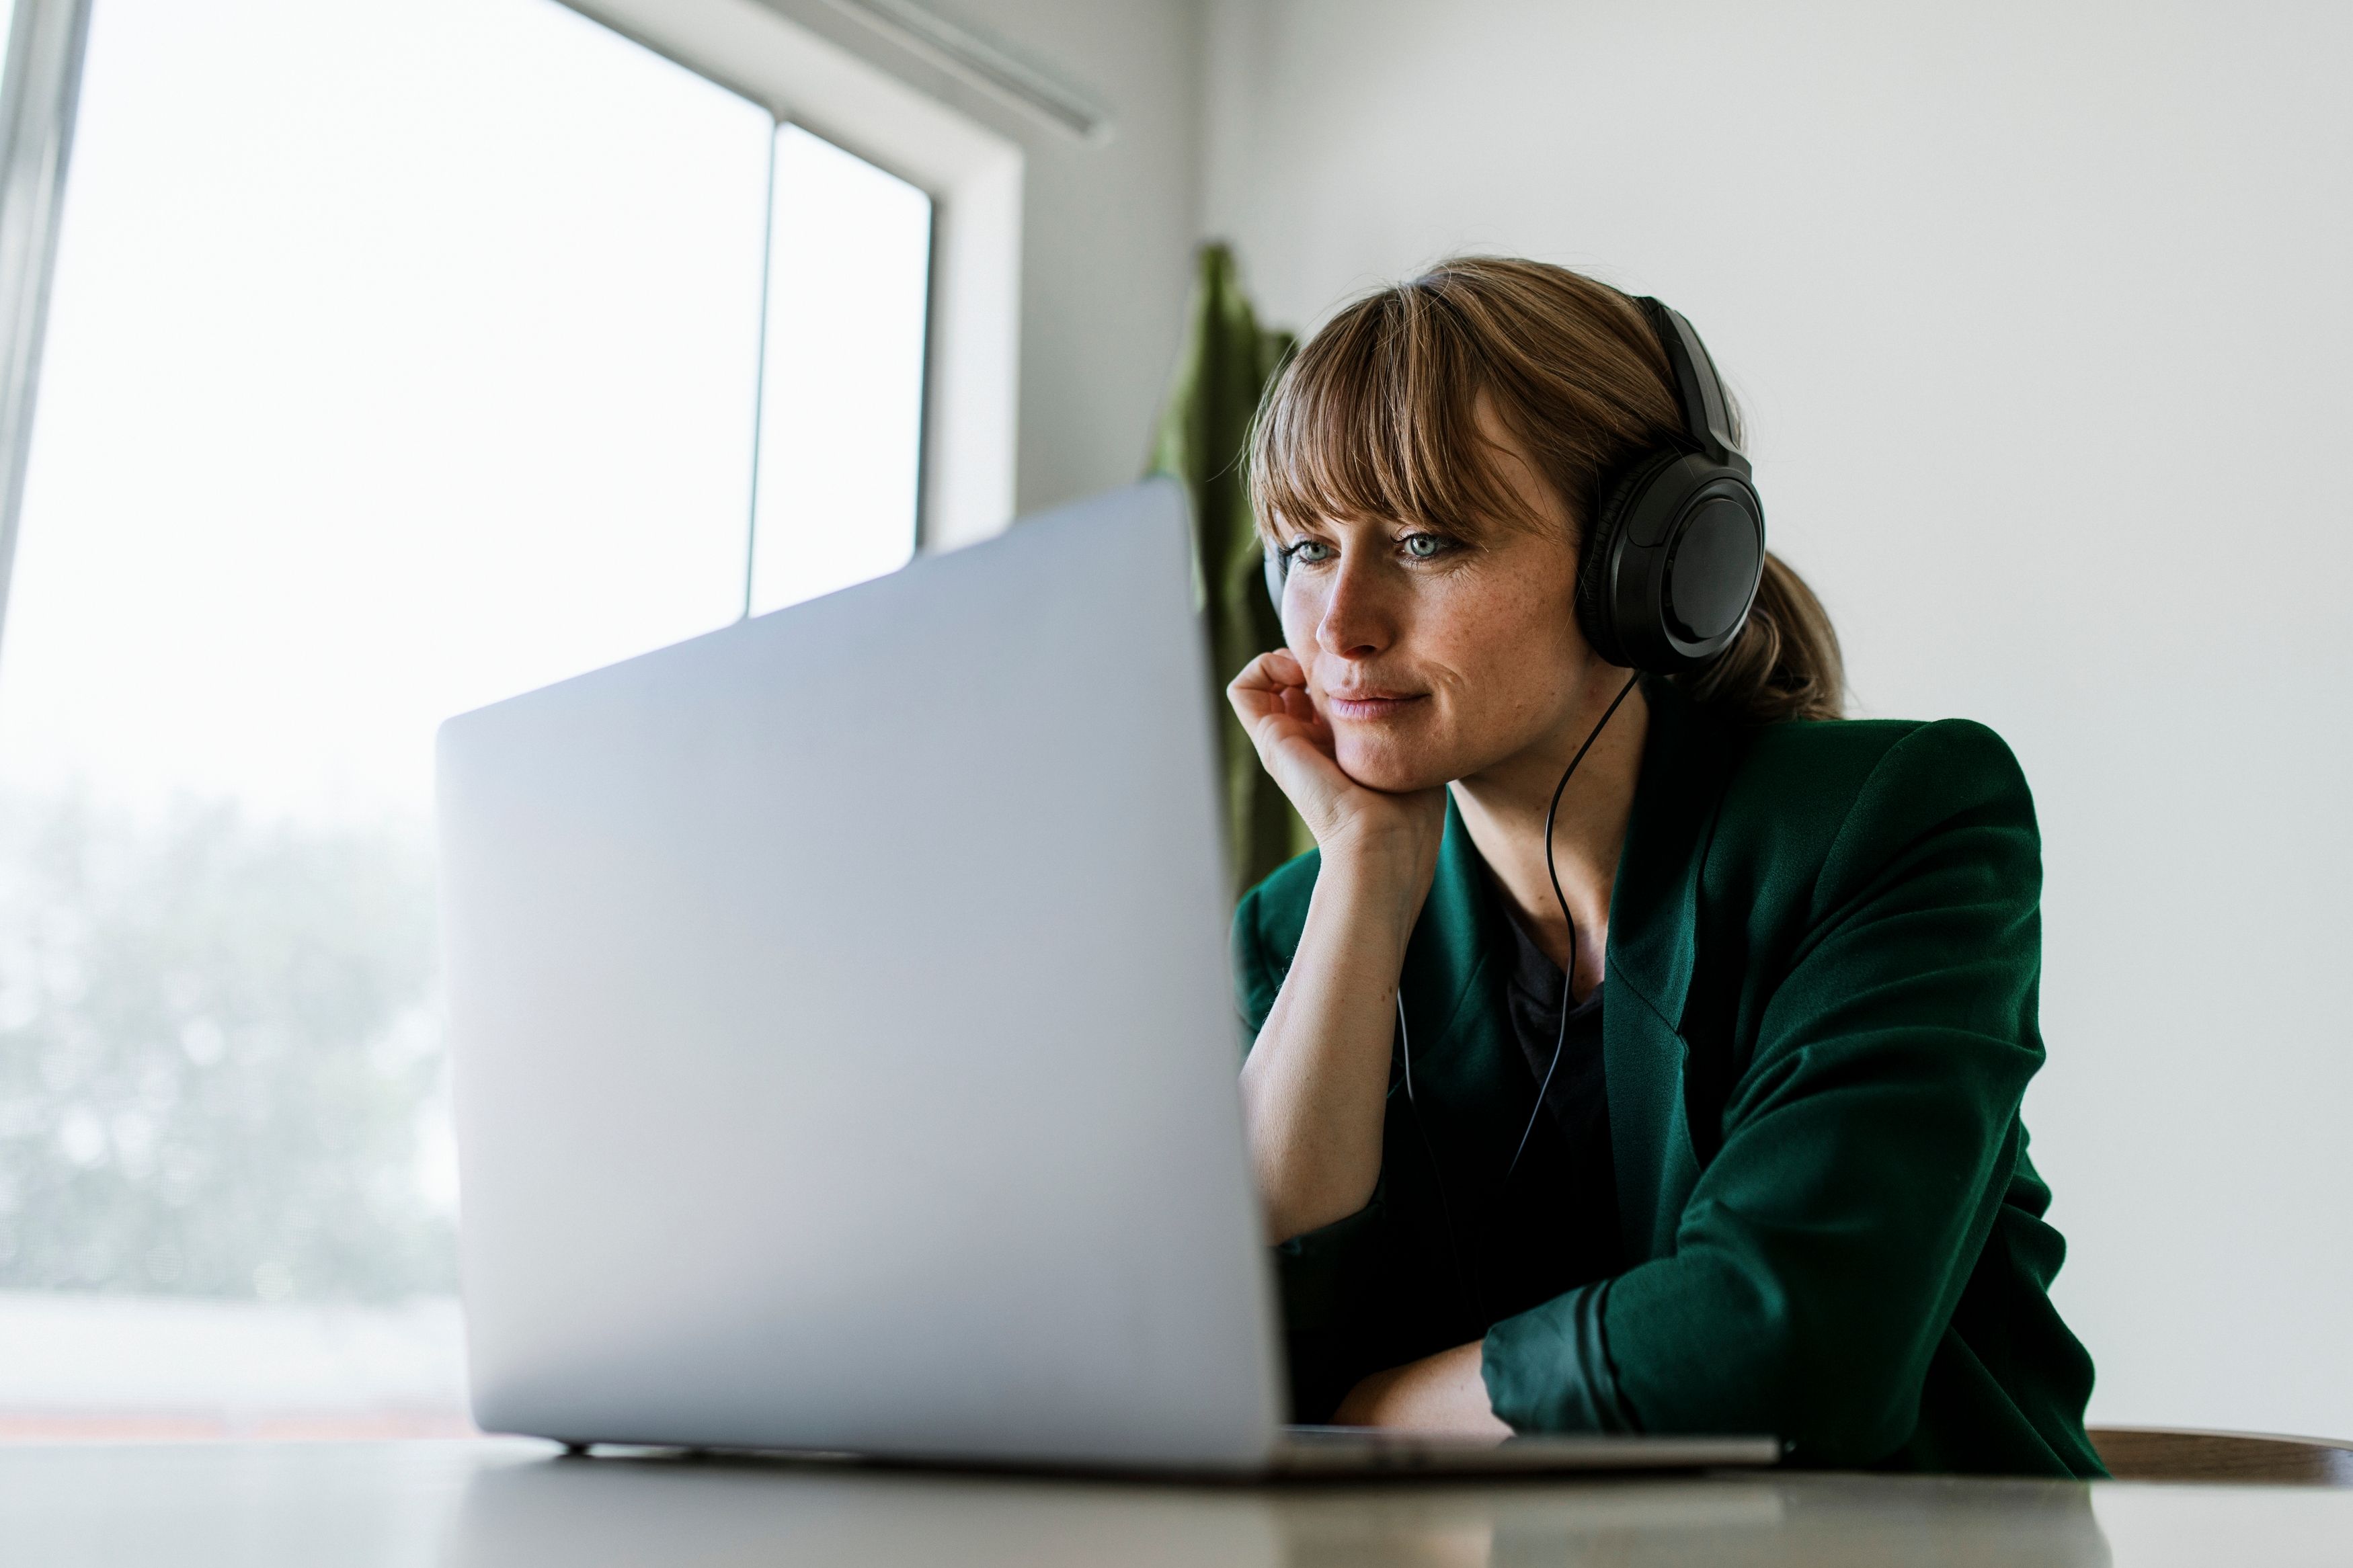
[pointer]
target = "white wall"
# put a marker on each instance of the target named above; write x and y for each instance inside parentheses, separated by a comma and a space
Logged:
(2041, 317)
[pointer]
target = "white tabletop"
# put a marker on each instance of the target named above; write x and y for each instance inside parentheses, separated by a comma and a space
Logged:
(515, 1505)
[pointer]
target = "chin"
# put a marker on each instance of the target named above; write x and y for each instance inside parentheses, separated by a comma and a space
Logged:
(1381, 763)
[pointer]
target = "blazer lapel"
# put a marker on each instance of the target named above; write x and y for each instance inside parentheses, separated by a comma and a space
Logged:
(1652, 952)
(1452, 994)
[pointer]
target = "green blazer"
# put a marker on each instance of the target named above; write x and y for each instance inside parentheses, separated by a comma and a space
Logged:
(1819, 1021)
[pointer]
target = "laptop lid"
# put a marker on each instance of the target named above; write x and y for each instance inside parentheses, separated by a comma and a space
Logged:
(841, 1025)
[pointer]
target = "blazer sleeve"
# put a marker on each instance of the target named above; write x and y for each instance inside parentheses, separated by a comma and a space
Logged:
(1867, 1144)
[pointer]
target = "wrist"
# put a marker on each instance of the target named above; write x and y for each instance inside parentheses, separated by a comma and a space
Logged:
(1384, 847)
(1384, 883)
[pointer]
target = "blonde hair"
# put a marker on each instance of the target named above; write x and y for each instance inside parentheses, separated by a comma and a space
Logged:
(1378, 417)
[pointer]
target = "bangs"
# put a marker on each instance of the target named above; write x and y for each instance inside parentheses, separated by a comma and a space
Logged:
(1377, 417)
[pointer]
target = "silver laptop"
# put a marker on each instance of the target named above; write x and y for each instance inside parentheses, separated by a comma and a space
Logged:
(844, 1043)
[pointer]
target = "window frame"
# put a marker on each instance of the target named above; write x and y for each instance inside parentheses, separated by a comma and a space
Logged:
(974, 176)
(40, 88)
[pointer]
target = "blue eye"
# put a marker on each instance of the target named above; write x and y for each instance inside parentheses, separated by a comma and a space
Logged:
(1423, 546)
(1313, 552)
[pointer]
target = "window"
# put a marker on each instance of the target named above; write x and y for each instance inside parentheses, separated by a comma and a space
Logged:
(842, 398)
(403, 354)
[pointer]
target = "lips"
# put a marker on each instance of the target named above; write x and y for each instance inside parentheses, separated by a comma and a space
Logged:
(1362, 707)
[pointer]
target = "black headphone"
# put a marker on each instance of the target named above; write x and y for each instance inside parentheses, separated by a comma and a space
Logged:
(1671, 564)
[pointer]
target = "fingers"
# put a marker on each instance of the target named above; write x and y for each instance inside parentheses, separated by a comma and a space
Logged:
(1269, 672)
(1271, 686)
(1298, 705)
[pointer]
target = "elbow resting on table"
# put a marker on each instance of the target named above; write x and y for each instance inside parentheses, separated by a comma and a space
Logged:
(1838, 1392)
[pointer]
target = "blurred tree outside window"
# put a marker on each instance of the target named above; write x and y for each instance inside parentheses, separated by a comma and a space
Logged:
(219, 1069)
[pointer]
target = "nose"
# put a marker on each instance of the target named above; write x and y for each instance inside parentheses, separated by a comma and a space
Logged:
(1355, 621)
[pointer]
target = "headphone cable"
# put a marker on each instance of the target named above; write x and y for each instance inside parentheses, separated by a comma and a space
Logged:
(1568, 976)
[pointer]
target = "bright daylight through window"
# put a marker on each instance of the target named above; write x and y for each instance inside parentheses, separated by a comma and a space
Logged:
(403, 356)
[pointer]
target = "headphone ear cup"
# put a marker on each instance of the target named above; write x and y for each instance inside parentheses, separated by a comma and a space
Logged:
(1671, 570)
(1596, 614)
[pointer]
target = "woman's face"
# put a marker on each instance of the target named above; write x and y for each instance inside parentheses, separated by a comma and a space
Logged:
(1433, 659)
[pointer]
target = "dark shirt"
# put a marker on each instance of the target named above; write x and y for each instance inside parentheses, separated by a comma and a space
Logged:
(1504, 1243)
(1555, 1225)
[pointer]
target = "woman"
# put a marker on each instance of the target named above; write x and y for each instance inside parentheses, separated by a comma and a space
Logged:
(1674, 1089)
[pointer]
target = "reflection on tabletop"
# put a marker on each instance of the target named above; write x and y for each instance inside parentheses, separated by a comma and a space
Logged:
(515, 1504)
(587, 1513)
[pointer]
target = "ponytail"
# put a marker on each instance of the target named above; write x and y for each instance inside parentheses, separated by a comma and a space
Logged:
(1785, 664)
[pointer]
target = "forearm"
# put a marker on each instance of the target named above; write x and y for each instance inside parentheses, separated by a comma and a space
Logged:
(1315, 1087)
(1441, 1393)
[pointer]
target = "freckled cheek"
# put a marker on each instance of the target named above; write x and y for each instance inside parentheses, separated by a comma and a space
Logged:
(1507, 672)
(1481, 660)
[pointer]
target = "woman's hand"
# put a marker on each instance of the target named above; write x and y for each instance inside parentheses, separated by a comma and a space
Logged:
(1443, 1393)
(1295, 743)
(1315, 1087)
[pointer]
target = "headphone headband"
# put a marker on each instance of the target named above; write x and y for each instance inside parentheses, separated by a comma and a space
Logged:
(1708, 413)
